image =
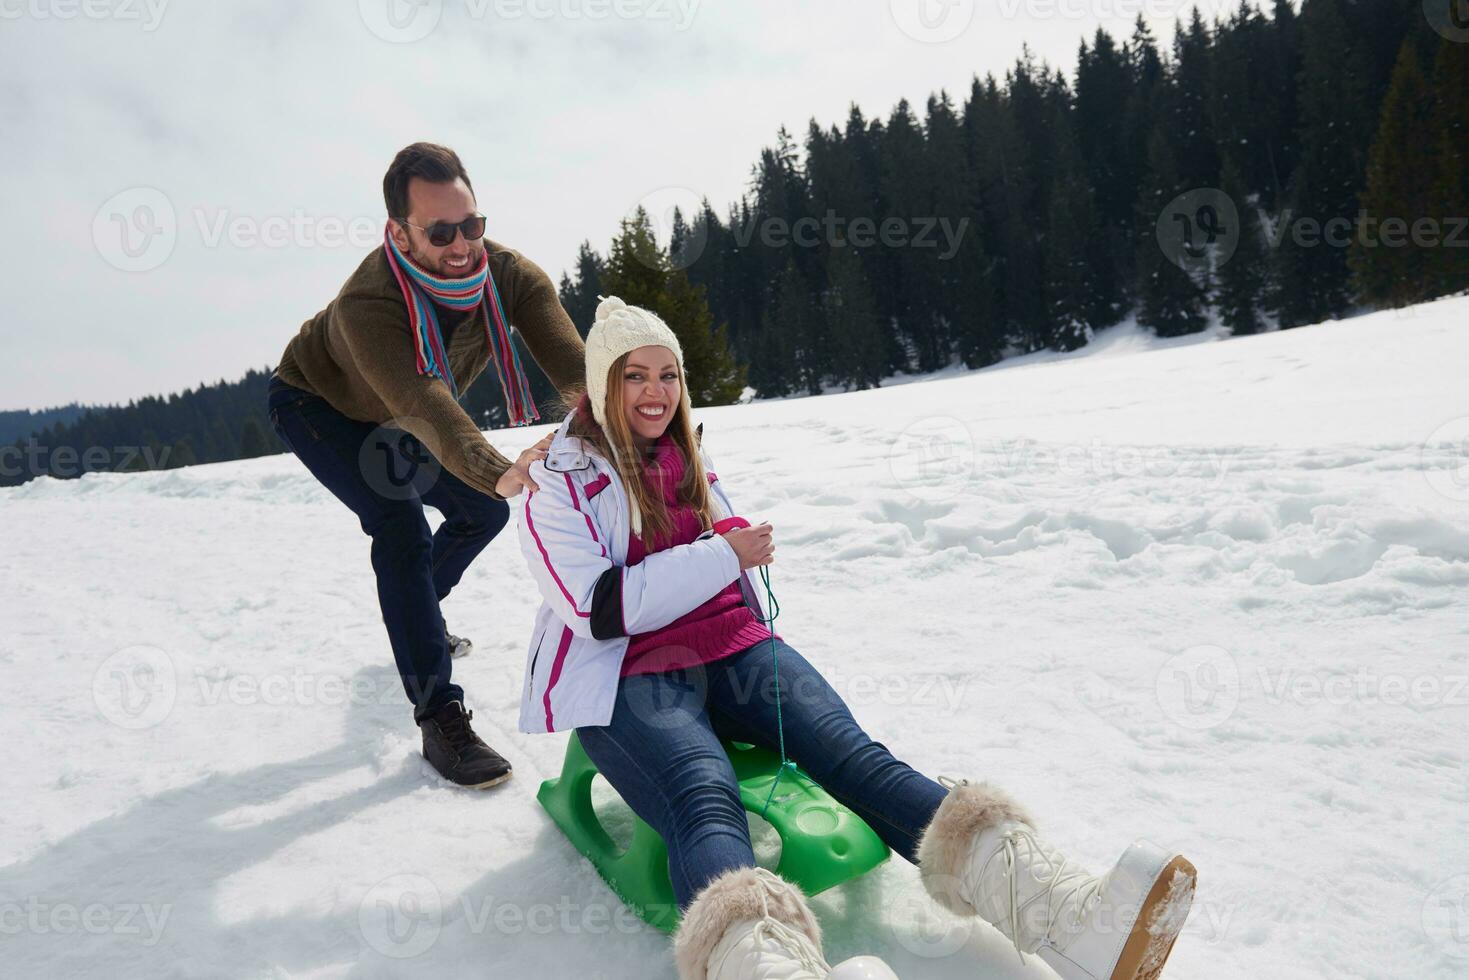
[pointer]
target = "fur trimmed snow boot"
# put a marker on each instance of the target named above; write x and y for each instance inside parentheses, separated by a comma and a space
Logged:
(750, 924)
(981, 856)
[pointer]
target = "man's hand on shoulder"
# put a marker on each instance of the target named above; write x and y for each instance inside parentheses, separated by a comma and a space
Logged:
(517, 478)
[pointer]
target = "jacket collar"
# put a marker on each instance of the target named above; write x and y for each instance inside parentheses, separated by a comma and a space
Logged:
(568, 452)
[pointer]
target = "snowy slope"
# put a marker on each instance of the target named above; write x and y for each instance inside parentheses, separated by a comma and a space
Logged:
(1203, 592)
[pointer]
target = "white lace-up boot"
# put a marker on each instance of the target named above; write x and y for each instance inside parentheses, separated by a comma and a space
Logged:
(750, 924)
(981, 856)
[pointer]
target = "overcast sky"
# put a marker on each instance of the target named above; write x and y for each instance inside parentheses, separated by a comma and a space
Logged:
(185, 182)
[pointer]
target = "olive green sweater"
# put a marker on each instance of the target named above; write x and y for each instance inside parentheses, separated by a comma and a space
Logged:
(359, 355)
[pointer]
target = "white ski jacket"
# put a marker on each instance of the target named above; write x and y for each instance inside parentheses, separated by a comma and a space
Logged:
(574, 535)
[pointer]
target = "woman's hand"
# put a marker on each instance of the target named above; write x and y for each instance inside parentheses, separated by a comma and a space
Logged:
(753, 545)
(517, 478)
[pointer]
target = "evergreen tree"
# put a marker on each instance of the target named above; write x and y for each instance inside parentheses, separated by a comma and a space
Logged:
(1170, 300)
(182, 454)
(1189, 119)
(1242, 277)
(1389, 266)
(977, 330)
(904, 290)
(1279, 71)
(1007, 181)
(1311, 275)
(143, 460)
(774, 351)
(723, 272)
(946, 204)
(1254, 64)
(221, 441)
(782, 214)
(1450, 128)
(639, 272)
(685, 242)
(252, 440)
(1071, 295)
(1103, 85)
(852, 323)
(1141, 112)
(579, 296)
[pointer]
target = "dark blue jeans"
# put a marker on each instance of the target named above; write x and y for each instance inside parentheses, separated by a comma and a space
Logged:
(385, 476)
(662, 753)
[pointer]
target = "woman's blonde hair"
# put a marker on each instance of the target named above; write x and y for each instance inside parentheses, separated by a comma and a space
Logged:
(617, 445)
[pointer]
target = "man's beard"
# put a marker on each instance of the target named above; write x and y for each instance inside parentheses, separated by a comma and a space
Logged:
(439, 269)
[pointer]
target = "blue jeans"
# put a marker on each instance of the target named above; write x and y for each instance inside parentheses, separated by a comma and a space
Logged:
(662, 753)
(385, 476)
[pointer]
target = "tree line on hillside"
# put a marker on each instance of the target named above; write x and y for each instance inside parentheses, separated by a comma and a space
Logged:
(212, 423)
(23, 422)
(1270, 169)
(1030, 215)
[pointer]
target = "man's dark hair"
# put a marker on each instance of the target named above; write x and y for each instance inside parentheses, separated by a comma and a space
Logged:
(428, 161)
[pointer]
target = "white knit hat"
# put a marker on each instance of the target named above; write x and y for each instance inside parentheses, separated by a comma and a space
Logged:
(618, 329)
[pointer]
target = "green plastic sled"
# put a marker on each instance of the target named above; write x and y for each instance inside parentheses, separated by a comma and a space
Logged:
(822, 842)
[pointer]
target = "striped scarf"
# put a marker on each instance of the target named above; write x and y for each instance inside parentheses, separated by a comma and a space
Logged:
(421, 291)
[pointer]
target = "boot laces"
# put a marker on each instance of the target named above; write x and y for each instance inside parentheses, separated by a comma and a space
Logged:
(456, 729)
(1069, 894)
(793, 941)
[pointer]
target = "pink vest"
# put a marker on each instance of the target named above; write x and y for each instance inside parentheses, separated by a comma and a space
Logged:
(721, 626)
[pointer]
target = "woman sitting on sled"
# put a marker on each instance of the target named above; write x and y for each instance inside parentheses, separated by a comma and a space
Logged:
(652, 644)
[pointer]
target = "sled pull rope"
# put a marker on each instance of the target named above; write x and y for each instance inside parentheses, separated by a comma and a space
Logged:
(780, 731)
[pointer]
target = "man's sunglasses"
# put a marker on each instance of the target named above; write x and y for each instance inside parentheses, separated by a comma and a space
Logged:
(442, 233)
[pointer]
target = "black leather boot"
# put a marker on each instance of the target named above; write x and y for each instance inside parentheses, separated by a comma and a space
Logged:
(461, 756)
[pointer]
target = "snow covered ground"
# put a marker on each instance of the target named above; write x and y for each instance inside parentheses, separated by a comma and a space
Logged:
(1206, 593)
